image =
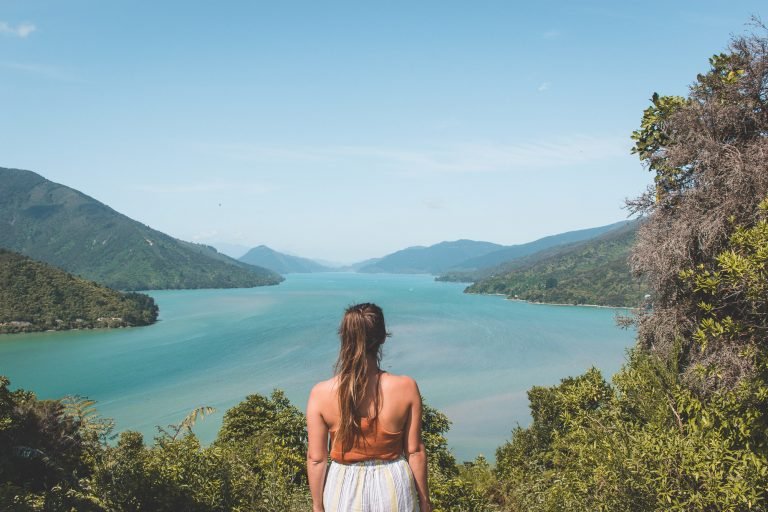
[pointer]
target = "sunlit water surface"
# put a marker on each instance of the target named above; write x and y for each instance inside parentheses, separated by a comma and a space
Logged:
(473, 356)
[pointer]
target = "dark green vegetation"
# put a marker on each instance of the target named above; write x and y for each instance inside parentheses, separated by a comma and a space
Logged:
(263, 256)
(684, 425)
(592, 272)
(36, 297)
(54, 456)
(67, 229)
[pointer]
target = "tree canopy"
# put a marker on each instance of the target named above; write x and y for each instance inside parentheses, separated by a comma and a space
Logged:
(708, 156)
(684, 424)
(35, 297)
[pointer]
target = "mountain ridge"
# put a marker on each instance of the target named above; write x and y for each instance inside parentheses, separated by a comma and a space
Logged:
(431, 259)
(516, 251)
(68, 229)
(281, 263)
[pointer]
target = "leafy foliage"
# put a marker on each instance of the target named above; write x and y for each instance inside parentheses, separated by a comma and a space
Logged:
(707, 156)
(684, 425)
(35, 296)
(653, 137)
(732, 299)
(645, 444)
(55, 455)
(271, 432)
(44, 454)
(185, 426)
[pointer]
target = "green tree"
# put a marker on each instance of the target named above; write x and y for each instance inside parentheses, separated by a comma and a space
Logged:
(706, 154)
(683, 427)
(44, 454)
(268, 435)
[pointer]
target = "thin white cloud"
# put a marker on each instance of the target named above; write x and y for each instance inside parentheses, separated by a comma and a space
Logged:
(551, 34)
(457, 158)
(21, 30)
(50, 72)
(544, 86)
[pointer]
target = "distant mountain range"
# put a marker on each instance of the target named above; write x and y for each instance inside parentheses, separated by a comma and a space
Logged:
(355, 267)
(471, 255)
(35, 296)
(514, 252)
(430, 260)
(586, 266)
(594, 271)
(280, 262)
(70, 230)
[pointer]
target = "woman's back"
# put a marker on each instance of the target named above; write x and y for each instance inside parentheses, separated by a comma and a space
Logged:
(373, 421)
(383, 434)
(396, 396)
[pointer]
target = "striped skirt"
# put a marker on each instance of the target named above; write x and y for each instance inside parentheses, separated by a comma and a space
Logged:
(370, 486)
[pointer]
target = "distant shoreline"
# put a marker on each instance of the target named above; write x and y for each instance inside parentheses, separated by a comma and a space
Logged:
(506, 297)
(33, 329)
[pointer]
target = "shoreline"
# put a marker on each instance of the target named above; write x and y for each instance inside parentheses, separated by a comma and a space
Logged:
(506, 297)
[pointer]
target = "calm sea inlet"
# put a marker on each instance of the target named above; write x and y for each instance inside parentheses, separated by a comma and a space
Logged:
(473, 356)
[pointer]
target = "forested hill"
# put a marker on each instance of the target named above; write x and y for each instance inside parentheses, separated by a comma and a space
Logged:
(455, 259)
(430, 260)
(265, 257)
(591, 272)
(512, 252)
(70, 230)
(36, 297)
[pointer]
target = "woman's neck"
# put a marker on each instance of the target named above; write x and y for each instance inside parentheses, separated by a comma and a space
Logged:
(373, 364)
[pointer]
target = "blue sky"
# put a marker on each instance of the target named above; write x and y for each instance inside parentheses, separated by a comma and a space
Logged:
(348, 130)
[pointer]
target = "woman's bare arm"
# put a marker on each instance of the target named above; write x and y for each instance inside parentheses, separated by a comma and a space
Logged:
(414, 446)
(317, 450)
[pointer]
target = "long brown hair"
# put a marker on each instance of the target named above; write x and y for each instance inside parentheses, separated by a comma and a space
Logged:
(362, 332)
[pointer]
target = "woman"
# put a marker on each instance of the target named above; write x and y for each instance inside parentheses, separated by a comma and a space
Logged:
(378, 461)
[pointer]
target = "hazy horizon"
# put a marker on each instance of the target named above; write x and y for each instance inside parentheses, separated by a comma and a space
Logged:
(343, 131)
(237, 251)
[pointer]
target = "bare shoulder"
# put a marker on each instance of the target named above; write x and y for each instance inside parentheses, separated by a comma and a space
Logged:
(400, 383)
(323, 389)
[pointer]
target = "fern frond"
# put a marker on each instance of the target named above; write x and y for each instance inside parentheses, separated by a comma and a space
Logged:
(189, 421)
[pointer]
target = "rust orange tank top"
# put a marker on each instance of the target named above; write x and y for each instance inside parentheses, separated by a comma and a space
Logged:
(374, 443)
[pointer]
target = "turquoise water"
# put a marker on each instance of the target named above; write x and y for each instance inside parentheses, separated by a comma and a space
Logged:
(473, 356)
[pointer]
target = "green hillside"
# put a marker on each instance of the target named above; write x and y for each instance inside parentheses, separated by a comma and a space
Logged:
(591, 272)
(65, 228)
(513, 252)
(36, 297)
